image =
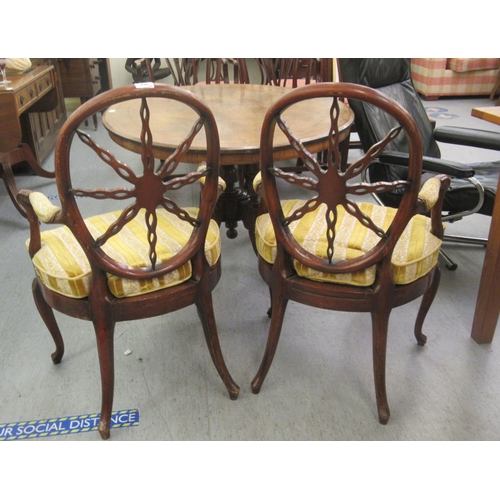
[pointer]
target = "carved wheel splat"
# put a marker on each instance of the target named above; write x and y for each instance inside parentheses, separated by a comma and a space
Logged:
(332, 198)
(149, 189)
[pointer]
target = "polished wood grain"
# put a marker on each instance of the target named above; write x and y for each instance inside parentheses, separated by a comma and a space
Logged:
(490, 114)
(488, 302)
(239, 111)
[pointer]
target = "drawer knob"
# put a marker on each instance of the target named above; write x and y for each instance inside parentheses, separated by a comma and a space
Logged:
(21, 100)
(32, 93)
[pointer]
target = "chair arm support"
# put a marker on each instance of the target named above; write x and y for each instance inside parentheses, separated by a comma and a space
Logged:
(435, 165)
(437, 227)
(468, 137)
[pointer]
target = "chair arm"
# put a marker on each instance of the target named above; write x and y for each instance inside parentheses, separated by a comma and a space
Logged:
(468, 137)
(429, 164)
(432, 194)
(257, 182)
(221, 182)
(38, 208)
(45, 210)
(429, 192)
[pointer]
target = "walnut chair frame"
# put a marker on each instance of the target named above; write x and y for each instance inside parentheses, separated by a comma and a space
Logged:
(337, 187)
(148, 190)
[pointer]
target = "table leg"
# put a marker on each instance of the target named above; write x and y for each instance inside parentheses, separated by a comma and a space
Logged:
(488, 299)
(238, 202)
(229, 205)
(8, 178)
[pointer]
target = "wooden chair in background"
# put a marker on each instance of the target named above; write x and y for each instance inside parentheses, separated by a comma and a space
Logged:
(290, 72)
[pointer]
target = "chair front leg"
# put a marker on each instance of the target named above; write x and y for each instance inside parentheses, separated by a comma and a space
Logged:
(380, 325)
(207, 317)
(47, 315)
(104, 326)
(278, 308)
(425, 305)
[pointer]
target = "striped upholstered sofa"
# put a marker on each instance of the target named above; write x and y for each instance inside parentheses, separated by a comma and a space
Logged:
(434, 78)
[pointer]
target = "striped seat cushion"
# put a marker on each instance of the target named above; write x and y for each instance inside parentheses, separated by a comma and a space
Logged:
(415, 254)
(63, 266)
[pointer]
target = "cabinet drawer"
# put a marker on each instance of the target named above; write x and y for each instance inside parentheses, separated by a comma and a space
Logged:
(26, 96)
(44, 84)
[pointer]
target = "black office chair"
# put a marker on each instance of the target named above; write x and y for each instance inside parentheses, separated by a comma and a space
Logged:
(140, 72)
(473, 186)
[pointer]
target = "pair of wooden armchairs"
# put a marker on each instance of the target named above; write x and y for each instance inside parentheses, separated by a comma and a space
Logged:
(151, 256)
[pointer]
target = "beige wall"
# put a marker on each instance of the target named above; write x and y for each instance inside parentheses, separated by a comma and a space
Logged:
(119, 75)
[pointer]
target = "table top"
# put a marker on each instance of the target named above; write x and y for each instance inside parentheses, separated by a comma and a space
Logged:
(239, 111)
(490, 113)
(20, 80)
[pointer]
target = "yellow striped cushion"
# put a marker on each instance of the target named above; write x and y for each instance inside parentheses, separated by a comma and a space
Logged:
(415, 254)
(63, 267)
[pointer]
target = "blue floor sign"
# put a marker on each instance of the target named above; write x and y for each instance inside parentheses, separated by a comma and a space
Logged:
(65, 425)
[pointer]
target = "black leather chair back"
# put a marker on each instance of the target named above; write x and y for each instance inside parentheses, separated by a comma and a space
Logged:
(393, 78)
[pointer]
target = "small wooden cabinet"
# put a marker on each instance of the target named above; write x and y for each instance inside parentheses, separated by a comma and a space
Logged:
(80, 77)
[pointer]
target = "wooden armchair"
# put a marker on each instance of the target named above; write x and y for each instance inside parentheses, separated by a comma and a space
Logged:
(217, 70)
(325, 250)
(145, 258)
(226, 70)
(290, 72)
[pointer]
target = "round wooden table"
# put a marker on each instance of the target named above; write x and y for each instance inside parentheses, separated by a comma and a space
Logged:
(239, 111)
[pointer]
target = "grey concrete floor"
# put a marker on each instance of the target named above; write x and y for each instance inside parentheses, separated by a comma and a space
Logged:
(320, 387)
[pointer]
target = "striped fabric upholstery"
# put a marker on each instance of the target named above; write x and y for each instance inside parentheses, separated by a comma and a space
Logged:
(447, 77)
(63, 267)
(462, 65)
(415, 254)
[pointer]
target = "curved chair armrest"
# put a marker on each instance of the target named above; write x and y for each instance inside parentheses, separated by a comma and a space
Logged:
(432, 195)
(257, 182)
(429, 164)
(221, 182)
(468, 137)
(38, 208)
(429, 192)
(45, 210)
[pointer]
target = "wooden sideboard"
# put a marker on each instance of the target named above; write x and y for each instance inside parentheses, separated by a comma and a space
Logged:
(41, 123)
(34, 92)
(31, 115)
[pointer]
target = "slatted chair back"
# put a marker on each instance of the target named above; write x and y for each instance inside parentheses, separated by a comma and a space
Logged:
(290, 72)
